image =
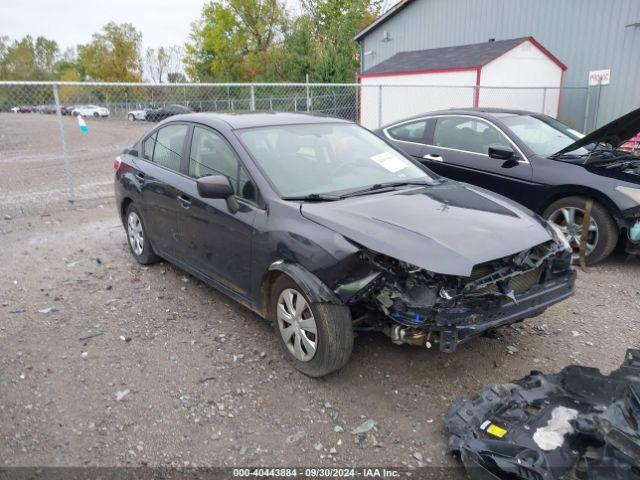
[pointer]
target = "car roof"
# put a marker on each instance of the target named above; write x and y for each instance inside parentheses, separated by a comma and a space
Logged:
(485, 112)
(249, 120)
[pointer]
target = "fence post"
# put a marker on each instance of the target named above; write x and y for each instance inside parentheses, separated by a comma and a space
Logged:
(358, 93)
(586, 111)
(544, 100)
(253, 98)
(596, 110)
(308, 92)
(63, 142)
(379, 106)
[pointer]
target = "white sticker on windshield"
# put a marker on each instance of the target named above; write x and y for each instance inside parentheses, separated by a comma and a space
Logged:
(389, 161)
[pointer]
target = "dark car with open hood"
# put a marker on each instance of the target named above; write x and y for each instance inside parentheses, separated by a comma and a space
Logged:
(540, 163)
(326, 229)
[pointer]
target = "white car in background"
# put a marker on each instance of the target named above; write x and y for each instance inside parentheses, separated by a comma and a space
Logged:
(134, 115)
(90, 111)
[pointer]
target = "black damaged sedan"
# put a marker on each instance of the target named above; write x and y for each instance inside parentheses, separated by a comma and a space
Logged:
(326, 229)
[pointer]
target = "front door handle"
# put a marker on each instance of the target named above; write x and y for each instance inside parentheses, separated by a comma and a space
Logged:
(433, 156)
(184, 201)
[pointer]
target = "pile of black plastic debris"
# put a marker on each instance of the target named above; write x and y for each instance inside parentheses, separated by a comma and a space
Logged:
(576, 424)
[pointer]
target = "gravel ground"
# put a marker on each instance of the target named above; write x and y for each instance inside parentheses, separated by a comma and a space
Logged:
(33, 176)
(178, 374)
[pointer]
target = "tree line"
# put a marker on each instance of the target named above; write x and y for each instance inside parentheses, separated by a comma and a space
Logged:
(232, 41)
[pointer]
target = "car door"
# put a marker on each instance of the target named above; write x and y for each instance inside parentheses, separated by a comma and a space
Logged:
(216, 239)
(458, 148)
(158, 175)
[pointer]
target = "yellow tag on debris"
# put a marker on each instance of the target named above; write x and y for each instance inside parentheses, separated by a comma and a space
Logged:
(496, 431)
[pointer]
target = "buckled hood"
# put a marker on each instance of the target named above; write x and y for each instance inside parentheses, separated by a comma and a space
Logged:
(614, 133)
(447, 228)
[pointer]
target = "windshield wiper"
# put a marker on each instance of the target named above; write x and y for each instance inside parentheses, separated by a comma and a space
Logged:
(314, 197)
(385, 186)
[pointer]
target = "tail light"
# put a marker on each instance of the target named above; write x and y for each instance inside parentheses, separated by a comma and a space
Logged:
(116, 163)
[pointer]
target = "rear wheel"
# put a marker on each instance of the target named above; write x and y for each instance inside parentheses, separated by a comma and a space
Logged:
(96, 114)
(317, 338)
(137, 237)
(131, 117)
(568, 214)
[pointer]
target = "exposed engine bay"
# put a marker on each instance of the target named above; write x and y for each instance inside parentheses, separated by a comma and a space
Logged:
(622, 161)
(576, 424)
(418, 307)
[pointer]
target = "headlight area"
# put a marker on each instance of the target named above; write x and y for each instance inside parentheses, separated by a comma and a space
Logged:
(417, 307)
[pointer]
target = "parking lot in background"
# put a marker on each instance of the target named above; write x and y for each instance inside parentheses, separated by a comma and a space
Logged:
(106, 362)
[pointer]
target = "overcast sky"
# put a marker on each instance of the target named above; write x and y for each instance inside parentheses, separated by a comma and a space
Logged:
(69, 22)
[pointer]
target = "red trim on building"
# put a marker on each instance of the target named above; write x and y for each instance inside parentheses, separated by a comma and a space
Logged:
(476, 92)
(547, 53)
(533, 41)
(559, 93)
(417, 72)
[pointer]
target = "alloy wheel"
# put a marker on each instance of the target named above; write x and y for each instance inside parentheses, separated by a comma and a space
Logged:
(569, 220)
(297, 325)
(135, 233)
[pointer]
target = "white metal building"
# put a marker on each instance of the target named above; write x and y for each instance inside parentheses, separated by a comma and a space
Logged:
(519, 64)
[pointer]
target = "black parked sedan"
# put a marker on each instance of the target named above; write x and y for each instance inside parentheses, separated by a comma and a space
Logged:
(323, 227)
(539, 162)
(157, 114)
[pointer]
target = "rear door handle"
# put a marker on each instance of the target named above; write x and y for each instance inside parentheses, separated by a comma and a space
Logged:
(184, 201)
(140, 176)
(434, 157)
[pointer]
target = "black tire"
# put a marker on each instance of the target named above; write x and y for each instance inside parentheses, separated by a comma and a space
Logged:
(96, 114)
(607, 228)
(334, 340)
(131, 117)
(147, 256)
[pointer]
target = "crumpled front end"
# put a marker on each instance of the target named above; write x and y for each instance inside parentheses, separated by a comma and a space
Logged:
(419, 307)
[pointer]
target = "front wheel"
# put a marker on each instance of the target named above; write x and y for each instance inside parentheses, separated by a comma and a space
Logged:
(131, 117)
(137, 236)
(568, 214)
(317, 338)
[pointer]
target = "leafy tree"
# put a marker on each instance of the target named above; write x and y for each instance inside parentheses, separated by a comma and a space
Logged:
(112, 55)
(233, 38)
(176, 77)
(300, 50)
(337, 22)
(27, 59)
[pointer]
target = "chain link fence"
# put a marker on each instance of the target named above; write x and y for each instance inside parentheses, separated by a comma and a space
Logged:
(49, 163)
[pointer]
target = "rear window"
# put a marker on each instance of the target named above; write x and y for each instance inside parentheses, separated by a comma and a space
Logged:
(169, 145)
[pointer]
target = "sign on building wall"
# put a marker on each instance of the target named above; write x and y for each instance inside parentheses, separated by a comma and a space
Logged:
(599, 77)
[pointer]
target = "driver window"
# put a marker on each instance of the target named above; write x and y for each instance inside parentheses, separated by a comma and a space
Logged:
(212, 155)
(467, 134)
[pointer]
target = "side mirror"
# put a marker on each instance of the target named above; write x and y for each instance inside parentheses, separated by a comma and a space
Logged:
(501, 152)
(214, 186)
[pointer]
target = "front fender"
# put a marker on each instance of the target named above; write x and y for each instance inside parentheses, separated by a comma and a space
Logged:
(314, 288)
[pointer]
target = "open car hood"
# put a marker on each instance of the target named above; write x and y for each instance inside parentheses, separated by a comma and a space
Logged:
(614, 133)
(447, 228)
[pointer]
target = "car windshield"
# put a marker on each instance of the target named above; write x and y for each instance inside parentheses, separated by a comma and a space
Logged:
(544, 136)
(320, 159)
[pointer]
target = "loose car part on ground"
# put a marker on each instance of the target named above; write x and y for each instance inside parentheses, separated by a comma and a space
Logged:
(576, 424)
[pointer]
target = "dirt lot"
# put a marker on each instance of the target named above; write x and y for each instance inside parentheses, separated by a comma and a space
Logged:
(33, 175)
(206, 382)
